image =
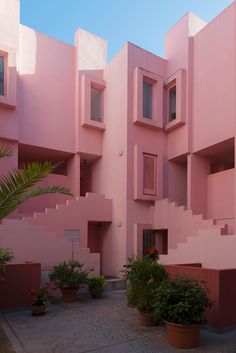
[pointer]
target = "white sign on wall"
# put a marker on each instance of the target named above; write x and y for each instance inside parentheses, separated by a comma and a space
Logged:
(72, 235)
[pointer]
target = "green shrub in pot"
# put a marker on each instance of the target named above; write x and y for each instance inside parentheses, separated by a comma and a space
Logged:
(181, 302)
(69, 277)
(96, 286)
(143, 275)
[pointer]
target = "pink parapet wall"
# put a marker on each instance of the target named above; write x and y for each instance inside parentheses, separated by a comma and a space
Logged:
(222, 289)
(16, 284)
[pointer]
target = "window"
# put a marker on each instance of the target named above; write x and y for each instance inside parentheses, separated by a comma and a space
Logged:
(149, 174)
(2, 74)
(148, 171)
(93, 93)
(172, 103)
(149, 240)
(175, 100)
(8, 77)
(147, 100)
(96, 104)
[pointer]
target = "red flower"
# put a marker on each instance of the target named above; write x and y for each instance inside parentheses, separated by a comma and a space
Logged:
(152, 252)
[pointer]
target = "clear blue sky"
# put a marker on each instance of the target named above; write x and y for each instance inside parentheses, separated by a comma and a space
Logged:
(142, 22)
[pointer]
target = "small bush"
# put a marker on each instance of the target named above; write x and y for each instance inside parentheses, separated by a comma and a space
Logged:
(143, 275)
(5, 256)
(96, 285)
(181, 300)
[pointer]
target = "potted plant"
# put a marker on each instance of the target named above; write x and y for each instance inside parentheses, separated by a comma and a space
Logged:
(181, 302)
(143, 275)
(96, 286)
(69, 276)
(5, 256)
(40, 300)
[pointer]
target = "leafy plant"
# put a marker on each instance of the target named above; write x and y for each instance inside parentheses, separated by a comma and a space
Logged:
(96, 284)
(69, 275)
(5, 257)
(143, 275)
(19, 185)
(40, 296)
(181, 300)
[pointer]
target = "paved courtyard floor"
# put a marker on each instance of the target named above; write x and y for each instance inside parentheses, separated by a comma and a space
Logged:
(98, 326)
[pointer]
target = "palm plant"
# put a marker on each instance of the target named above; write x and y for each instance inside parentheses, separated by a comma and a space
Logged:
(19, 185)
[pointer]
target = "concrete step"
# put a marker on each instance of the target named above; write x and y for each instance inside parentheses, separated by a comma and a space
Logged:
(112, 285)
(115, 284)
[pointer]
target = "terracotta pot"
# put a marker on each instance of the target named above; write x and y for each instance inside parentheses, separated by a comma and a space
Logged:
(182, 336)
(146, 319)
(69, 294)
(38, 310)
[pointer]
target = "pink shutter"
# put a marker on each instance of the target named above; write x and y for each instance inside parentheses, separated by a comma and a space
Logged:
(149, 174)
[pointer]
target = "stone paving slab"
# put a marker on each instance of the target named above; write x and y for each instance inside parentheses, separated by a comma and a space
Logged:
(98, 326)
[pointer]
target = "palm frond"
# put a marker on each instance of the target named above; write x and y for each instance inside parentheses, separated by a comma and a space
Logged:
(5, 151)
(13, 203)
(19, 181)
(15, 188)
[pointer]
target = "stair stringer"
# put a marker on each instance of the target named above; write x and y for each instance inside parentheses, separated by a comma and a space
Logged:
(75, 214)
(180, 222)
(209, 248)
(34, 244)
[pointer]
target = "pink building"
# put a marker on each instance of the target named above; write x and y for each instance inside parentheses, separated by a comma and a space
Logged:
(147, 143)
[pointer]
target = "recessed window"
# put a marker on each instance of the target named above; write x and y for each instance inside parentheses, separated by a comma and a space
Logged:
(149, 174)
(172, 103)
(96, 104)
(147, 100)
(149, 240)
(2, 74)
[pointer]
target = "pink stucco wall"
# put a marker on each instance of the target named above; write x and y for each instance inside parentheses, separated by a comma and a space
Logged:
(220, 200)
(50, 120)
(143, 138)
(213, 109)
(179, 54)
(110, 172)
(47, 91)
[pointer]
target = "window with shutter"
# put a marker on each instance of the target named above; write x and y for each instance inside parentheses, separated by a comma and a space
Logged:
(2, 74)
(147, 100)
(149, 174)
(172, 103)
(175, 100)
(96, 104)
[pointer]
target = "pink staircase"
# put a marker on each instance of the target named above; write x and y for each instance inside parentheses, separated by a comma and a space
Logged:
(41, 238)
(180, 222)
(193, 239)
(74, 214)
(209, 248)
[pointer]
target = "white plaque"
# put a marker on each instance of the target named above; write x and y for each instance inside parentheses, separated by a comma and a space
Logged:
(72, 235)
